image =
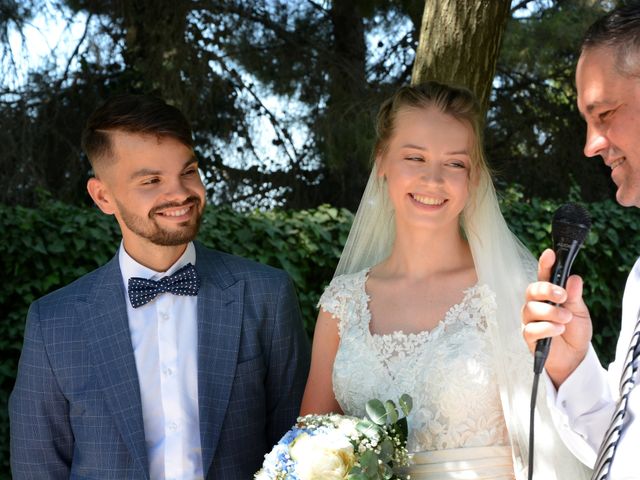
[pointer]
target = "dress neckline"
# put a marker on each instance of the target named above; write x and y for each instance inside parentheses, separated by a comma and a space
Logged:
(447, 318)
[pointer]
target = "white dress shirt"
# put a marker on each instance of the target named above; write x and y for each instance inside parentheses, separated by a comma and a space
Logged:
(583, 405)
(164, 335)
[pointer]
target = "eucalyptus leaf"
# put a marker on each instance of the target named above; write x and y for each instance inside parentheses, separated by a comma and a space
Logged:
(369, 463)
(376, 411)
(392, 411)
(386, 450)
(368, 428)
(406, 403)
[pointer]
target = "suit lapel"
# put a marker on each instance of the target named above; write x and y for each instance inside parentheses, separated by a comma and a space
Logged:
(220, 306)
(109, 340)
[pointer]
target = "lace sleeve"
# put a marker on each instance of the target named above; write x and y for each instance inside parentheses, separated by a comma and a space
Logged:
(342, 292)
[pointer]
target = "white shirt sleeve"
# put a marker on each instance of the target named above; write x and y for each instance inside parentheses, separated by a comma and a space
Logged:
(582, 408)
(584, 404)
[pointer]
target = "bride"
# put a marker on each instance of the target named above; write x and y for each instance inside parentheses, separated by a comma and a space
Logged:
(426, 301)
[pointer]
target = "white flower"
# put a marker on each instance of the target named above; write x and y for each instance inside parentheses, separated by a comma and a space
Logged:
(324, 456)
(347, 427)
(262, 475)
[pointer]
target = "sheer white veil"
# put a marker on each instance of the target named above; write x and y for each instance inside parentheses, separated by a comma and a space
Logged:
(507, 267)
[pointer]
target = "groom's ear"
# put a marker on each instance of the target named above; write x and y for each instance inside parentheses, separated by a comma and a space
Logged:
(99, 192)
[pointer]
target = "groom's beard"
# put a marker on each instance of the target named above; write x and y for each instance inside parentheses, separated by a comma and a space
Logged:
(151, 230)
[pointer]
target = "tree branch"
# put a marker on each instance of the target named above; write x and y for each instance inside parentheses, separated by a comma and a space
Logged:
(280, 132)
(76, 50)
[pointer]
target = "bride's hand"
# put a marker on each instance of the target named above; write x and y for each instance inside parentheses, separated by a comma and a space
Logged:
(569, 323)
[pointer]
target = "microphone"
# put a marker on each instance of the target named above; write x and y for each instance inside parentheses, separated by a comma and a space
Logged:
(569, 228)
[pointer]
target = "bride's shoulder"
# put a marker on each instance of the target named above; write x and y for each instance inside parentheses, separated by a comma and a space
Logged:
(482, 299)
(343, 288)
(347, 279)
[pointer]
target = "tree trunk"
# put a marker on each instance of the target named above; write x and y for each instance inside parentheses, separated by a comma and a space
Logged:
(155, 46)
(459, 43)
(346, 114)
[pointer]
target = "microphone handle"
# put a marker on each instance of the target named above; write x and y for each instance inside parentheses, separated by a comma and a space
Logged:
(565, 255)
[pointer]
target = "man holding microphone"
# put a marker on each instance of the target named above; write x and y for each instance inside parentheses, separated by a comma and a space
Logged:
(595, 409)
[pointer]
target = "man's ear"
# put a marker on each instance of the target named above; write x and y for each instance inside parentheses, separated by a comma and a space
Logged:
(100, 195)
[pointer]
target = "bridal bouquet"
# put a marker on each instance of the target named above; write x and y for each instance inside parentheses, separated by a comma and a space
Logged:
(336, 447)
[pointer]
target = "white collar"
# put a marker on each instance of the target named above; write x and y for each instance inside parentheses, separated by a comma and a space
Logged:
(131, 268)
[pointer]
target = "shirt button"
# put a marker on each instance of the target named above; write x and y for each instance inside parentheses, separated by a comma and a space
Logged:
(173, 426)
(167, 371)
(164, 316)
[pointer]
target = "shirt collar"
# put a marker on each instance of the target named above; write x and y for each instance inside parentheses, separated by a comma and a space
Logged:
(130, 268)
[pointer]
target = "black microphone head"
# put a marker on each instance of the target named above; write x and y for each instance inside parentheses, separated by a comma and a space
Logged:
(570, 222)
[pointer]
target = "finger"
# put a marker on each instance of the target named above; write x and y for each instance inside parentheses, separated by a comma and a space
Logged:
(574, 289)
(545, 292)
(545, 264)
(575, 302)
(535, 331)
(545, 312)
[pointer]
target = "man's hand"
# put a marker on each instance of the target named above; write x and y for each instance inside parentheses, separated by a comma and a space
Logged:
(569, 323)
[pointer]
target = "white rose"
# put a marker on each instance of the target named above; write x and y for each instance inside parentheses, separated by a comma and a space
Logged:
(324, 456)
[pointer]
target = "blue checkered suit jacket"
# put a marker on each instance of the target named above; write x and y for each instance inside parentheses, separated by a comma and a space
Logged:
(75, 409)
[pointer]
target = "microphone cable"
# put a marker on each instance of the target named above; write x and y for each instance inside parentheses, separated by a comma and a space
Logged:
(569, 228)
(532, 415)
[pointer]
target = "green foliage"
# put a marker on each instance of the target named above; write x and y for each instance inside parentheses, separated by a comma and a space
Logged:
(305, 243)
(41, 249)
(45, 248)
(387, 413)
(384, 426)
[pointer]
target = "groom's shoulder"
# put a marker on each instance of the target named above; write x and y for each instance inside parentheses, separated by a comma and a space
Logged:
(79, 290)
(239, 268)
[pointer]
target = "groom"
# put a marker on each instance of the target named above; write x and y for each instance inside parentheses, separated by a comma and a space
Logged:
(172, 360)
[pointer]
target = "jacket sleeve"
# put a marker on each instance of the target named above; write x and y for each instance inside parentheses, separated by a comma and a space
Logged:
(288, 365)
(41, 437)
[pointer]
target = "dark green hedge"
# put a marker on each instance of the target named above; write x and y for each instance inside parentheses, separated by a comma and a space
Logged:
(43, 249)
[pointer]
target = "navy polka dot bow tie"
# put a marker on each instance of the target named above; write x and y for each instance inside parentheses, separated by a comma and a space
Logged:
(183, 282)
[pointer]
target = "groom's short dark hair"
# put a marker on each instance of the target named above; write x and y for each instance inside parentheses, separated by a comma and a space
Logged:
(142, 114)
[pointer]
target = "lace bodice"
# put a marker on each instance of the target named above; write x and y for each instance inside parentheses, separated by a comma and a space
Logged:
(447, 371)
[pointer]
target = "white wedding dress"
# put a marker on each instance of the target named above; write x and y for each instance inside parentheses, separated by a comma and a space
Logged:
(456, 428)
